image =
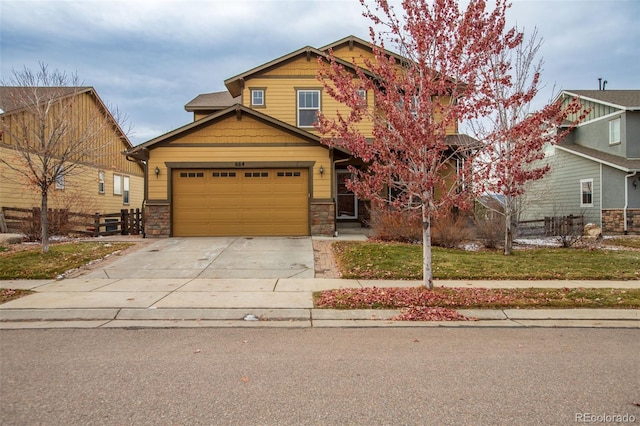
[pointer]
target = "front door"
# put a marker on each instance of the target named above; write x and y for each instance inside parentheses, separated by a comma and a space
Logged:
(347, 201)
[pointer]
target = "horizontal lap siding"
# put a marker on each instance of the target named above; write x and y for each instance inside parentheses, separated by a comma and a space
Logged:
(558, 194)
(280, 96)
(80, 193)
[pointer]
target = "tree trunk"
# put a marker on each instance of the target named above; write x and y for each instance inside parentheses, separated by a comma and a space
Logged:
(44, 222)
(427, 271)
(508, 231)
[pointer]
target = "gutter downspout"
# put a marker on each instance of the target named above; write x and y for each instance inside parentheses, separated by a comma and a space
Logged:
(626, 200)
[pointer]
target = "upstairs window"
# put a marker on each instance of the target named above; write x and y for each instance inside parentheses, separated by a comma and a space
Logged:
(586, 189)
(308, 107)
(614, 131)
(257, 97)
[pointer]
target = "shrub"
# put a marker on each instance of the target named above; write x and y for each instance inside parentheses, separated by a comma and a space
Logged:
(393, 225)
(450, 230)
(59, 224)
(490, 230)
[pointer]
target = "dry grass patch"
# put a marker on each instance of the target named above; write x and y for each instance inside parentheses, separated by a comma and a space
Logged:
(366, 260)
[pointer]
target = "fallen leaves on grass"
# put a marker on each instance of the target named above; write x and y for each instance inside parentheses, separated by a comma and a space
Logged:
(7, 294)
(440, 303)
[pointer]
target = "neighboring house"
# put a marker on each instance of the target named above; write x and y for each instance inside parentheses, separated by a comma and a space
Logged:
(105, 183)
(251, 162)
(595, 171)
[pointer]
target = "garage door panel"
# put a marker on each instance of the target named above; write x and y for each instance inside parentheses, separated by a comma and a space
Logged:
(247, 202)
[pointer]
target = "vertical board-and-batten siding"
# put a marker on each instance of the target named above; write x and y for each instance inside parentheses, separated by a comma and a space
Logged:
(81, 186)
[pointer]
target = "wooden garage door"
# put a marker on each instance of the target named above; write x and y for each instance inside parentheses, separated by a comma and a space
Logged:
(221, 202)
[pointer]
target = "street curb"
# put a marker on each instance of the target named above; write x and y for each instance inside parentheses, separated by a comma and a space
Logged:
(306, 318)
(164, 323)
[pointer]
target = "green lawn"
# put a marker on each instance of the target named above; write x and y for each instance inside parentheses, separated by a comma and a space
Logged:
(366, 260)
(32, 264)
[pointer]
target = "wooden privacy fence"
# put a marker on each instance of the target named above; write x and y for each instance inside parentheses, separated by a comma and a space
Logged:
(63, 222)
(552, 226)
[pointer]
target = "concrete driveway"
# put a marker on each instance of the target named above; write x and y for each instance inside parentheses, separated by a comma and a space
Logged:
(214, 257)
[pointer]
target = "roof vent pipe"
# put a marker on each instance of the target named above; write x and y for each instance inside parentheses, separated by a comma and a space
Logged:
(602, 84)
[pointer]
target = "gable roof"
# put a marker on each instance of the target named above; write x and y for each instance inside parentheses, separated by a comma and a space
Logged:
(209, 101)
(234, 84)
(141, 151)
(353, 41)
(13, 98)
(610, 160)
(623, 99)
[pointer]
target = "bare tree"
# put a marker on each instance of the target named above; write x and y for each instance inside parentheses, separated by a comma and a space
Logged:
(515, 136)
(45, 123)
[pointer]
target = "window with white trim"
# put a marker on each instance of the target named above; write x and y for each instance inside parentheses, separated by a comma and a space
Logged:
(362, 94)
(101, 182)
(125, 193)
(614, 131)
(586, 193)
(257, 97)
(308, 107)
(117, 185)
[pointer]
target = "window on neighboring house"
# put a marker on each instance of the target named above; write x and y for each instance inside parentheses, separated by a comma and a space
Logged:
(125, 194)
(308, 107)
(100, 182)
(586, 192)
(614, 131)
(362, 94)
(257, 97)
(117, 185)
(59, 182)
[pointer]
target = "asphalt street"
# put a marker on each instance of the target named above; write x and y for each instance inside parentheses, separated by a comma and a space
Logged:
(318, 376)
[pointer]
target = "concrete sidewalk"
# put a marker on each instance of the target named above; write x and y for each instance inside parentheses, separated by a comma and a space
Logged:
(100, 302)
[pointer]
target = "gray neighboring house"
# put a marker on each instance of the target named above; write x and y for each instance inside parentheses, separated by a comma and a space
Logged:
(595, 171)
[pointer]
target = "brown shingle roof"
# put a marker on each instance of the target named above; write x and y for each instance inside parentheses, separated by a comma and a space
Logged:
(214, 100)
(627, 99)
(616, 161)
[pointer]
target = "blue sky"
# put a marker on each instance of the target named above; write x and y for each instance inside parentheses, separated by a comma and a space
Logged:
(150, 57)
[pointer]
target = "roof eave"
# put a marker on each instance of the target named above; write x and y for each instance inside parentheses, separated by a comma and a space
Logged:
(136, 152)
(599, 160)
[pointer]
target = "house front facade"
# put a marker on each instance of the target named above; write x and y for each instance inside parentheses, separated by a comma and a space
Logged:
(252, 162)
(103, 181)
(595, 171)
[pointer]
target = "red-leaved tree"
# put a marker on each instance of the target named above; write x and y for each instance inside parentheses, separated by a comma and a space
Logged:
(420, 96)
(514, 136)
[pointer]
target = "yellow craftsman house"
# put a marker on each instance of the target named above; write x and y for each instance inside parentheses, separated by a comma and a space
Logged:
(104, 181)
(251, 162)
